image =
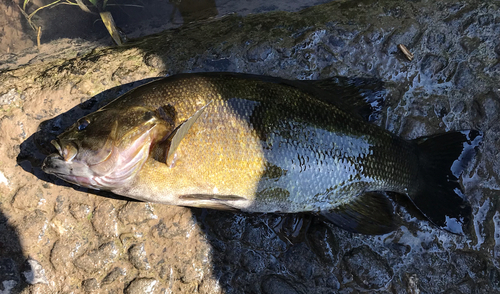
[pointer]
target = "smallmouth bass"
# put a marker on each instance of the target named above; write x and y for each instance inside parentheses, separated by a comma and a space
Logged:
(262, 144)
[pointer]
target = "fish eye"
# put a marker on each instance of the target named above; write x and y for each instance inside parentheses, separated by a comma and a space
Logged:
(83, 125)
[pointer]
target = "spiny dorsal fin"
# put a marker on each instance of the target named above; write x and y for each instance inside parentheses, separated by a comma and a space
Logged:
(180, 132)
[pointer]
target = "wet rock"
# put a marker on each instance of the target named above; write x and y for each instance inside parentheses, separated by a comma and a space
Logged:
(468, 286)
(138, 257)
(113, 275)
(97, 259)
(293, 228)
(412, 285)
(432, 64)
(141, 285)
(66, 250)
(136, 213)
(40, 289)
(369, 269)
(305, 266)
(90, 285)
(277, 285)
(61, 204)
(463, 76)
(231, 252)
(34, 273)
(227, 226)
(34, 225)
(79, 210)
(470, 44)
(104, 220)
(494, 278)
(323, 243)
(259, 236)
(161, 230)
(222, 64)
(259, 53)
(252, 261)
(28, 197)
(9, 276)
(210, 286)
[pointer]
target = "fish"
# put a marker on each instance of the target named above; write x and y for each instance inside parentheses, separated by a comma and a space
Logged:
(233, 141)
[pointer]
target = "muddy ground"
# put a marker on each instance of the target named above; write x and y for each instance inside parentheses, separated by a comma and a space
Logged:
(58, 238)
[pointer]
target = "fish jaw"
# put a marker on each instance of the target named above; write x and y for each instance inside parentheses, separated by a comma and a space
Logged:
(71, 171)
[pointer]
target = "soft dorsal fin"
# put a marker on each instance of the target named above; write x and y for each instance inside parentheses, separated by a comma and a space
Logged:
(175, 138)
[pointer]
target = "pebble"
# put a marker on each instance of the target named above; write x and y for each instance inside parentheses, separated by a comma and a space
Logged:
(141, 286)
(97, 259)
(65, 250)
(432, 64)
(138, 257)
(113, 275)
(136, 213)
(323, 243)
(276, 285)
(104, 220)
(9, 276)
(28, 197)
(368, 268)
(79, 210)
(90, 285)
(35, 273)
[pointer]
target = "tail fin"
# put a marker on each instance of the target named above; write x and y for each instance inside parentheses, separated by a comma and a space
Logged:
(442, 160)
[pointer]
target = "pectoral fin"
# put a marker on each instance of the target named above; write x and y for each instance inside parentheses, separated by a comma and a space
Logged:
(371, 213)
(165, 151)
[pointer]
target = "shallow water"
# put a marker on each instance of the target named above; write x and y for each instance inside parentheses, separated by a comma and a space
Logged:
(88, 242)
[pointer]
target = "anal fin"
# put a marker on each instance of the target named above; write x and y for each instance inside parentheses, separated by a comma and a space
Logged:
(212, 197)
(218, 202)
(371, 213)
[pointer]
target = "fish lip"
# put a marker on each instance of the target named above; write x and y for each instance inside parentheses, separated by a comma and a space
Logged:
(57, 145)
(49, 164)
(66, 153)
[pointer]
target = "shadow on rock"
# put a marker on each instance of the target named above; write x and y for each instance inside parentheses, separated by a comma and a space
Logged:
(15, 271)
(271, 253)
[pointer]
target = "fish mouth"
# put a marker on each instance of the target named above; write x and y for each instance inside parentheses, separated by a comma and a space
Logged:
(70, 171)
(66, 151)
(54, 164)
(56, 144)
(62, 165)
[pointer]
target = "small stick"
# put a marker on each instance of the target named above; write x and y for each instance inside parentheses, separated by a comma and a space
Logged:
(38, 36)
(406, 52)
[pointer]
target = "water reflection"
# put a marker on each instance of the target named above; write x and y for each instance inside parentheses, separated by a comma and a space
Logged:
(193, 10)
(132, 18)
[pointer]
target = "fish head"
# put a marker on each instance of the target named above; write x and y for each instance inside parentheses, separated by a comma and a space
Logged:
(107, 148)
